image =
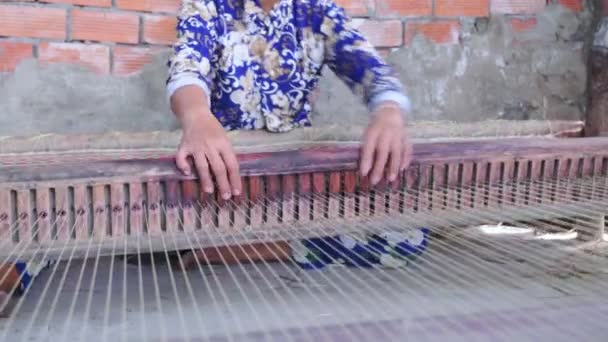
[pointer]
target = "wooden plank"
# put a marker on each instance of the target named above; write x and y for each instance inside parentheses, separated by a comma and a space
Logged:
(256, 195)
(172, 207)
(395, 194)
(335, 188)
(481, 185)
(521, 189)
(304, 193)
(136, 209)
(81, 213)
(154, 205)
(43, 223)
(467, 185)
(273, 200)
(100, 215)
(410, 198)
(240, 211)
(117, 204)
(288, 183)
(453, 182)
(189, 192)
(364, 197)
(24, 215)
(494, 194)
(509, 178)
(350, 187)
(438, 190)
(63, 230)
(319, 200)
(321, 159)
(379, 197)
(5, 215)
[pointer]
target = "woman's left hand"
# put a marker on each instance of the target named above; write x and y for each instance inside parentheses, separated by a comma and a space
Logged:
(386, 150)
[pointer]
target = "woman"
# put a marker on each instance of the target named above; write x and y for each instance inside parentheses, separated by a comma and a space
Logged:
(254, 64)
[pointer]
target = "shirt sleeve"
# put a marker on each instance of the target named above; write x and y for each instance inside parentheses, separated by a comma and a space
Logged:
(192, 57)
(357, 63)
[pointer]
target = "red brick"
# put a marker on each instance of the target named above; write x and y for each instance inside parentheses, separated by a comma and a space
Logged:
(12, 53)
(402, 8)
(468, 8)
(357, 7)
(520, 24)
(94, 57)
(33, 22)
(105, 26)
(381, 33)
(129, 60)
(159, 29)
(169, 6)
(574, 5)
(440, 32)
(517, 6)
(95, 3)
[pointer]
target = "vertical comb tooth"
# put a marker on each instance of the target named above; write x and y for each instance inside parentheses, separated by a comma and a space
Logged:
(438, 194)
(364, 196)
(304, 191)
(62, 224)
(535, 177)
(522, 176)
(223, 212)
(172, 206)
(5, 214)
(24, 210)
(379, 197)
(423, 186)
(81, 211)
(411, 194)
(481, 185)
(350, 187)
(335, 187)
(320, 190)
(467, 185)
(136, 208)
(288, 194)
(43, 206)
(117, 206)
(240, 210)
(509, 177)
(272, 207)
(189, 192)
(207, 212)
(452, 196)
(100, 212)
(494, 183)
(154, 208)
(256, 195)
(394, 194)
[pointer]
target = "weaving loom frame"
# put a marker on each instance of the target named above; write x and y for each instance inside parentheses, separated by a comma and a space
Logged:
(105, 190)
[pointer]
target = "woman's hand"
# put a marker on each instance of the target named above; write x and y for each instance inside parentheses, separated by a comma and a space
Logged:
(386, 149)
(205, 140)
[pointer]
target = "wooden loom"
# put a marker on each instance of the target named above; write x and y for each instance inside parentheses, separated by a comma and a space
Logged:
(71, 206)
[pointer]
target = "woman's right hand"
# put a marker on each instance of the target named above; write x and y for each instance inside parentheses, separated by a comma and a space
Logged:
(205, 140)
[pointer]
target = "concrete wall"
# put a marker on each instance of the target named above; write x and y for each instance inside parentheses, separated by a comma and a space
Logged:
(87, 66)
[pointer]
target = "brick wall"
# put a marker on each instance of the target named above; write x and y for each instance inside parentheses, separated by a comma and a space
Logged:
(120, 36)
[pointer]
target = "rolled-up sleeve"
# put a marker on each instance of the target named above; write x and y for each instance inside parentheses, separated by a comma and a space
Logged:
(357, 63)
(194, 51)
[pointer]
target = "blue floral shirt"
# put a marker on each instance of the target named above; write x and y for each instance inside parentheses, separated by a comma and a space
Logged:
(259, 69)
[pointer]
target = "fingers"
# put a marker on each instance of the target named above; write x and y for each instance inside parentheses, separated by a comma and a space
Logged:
(383, 149)
(395, 159)
(367, 154)
(234, 173)
(181, 161)
(221, 175)
(202, 167)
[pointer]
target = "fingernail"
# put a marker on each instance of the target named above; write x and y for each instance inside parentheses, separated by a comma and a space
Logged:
(393, 177)
(208, 190)
(236, 192)
(226, 195)
(375, 180)
(187, 172)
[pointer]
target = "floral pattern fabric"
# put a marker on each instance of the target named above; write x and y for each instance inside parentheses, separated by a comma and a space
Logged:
(259, 69)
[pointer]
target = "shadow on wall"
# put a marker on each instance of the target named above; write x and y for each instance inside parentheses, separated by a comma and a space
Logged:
(493, 71)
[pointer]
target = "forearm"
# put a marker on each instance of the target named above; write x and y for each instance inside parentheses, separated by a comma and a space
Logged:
(190, 106)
